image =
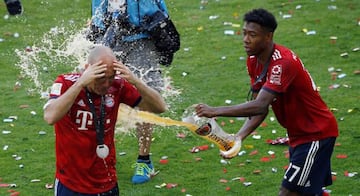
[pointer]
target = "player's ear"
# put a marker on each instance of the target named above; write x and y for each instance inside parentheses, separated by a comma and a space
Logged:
(269, 36)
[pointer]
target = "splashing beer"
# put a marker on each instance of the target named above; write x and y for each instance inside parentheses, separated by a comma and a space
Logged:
(203, 127)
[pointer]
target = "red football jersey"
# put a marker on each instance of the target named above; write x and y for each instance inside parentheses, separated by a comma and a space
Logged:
(298, 106)
(77, 165)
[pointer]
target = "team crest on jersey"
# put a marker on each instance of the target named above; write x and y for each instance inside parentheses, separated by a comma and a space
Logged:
(275, 75)
(109, 101)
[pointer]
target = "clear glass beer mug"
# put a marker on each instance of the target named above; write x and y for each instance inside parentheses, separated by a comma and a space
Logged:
(210, 130)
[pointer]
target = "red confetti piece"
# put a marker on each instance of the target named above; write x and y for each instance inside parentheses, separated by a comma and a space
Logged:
(4, 185)
(183, 190)
(171, 185)
(199, 148)
(15, 193)
(204, 147)
(265, 159)
(263, 124)
(180, 135)
(227, 188)
(224, 170)
(164, 161)
(253, 152)
(341, 156)
(286, 167)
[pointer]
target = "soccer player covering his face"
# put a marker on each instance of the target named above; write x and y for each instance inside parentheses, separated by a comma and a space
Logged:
(280, 80)
(83, 108)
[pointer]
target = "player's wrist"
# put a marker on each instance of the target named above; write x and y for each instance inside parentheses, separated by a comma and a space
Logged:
(79, 84)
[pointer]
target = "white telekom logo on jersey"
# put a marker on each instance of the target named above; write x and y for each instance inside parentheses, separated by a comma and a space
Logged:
(85, 118)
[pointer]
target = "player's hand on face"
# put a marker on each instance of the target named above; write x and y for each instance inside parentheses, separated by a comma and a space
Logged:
(92, 72)
(124, 72)
(203, 110)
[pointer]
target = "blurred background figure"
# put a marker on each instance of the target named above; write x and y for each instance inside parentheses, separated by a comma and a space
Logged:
(14, 7)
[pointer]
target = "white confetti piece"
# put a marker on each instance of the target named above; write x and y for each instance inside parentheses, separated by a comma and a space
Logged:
(225, 162)
(311, 32)
(228, 101)
(8, 120)
(5, 132)
(229, 32)
(341, 76)
(286, 16)
(247, 183)
(213, 17)
(42, 133)
(5, 147)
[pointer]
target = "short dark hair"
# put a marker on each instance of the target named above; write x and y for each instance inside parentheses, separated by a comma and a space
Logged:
(262, 17)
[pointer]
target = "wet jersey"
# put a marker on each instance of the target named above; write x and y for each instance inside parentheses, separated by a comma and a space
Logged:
(77, 164)
(298, 106)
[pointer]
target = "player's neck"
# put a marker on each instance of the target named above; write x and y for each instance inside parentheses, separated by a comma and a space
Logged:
(263, 57)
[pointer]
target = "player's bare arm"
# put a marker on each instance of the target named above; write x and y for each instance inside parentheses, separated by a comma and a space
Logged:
(259, 106)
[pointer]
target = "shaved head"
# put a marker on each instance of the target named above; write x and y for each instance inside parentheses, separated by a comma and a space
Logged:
(99, 53)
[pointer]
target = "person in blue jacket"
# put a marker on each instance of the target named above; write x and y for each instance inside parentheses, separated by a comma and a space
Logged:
(118, 24)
